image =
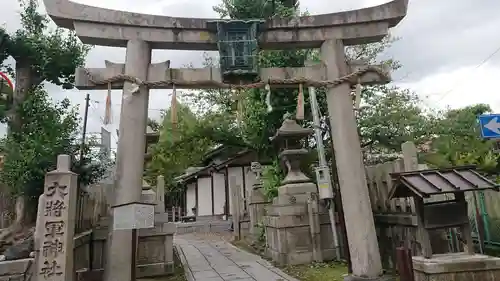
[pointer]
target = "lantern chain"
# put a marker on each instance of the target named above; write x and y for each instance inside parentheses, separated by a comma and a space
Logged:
(352, 77)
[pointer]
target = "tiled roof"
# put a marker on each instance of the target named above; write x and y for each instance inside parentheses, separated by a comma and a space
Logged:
(426, 183)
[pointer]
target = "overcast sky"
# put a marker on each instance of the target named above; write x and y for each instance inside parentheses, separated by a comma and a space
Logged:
(447, 48)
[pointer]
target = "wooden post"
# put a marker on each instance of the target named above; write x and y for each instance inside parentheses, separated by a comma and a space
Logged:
(422, 233)
(236, 197)
(404, 264)
(410, 163)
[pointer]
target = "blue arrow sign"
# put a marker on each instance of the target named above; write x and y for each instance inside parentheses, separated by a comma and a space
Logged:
(490, 126)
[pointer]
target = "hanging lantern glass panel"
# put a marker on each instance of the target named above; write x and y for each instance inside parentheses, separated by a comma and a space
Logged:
(238, 50)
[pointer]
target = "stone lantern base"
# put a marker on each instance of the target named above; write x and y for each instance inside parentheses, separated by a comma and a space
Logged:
(294, 234)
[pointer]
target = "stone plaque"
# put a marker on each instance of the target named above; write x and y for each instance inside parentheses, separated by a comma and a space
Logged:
(133, 216)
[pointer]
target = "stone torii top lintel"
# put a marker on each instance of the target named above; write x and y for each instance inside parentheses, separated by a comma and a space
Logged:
(208, 78)
(106, 27)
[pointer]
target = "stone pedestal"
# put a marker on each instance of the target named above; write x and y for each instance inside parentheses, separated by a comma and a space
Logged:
(290, 238)
(456, 267)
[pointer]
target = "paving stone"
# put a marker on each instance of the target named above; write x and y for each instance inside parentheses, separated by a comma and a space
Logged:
(202, 275)
(211, 258)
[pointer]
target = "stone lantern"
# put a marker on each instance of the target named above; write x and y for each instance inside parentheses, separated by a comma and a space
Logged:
(294, 221)
(290, 138)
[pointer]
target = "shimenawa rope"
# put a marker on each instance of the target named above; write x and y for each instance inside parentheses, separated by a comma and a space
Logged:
(293, 81)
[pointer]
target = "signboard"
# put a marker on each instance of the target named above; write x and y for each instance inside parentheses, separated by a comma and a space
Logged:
(324, 183)
(133, 216)
(490, 126)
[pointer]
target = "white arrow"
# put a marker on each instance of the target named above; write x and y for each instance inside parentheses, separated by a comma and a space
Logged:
(493, 125)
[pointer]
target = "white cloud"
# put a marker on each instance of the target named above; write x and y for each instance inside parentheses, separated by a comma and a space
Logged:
(460, 87)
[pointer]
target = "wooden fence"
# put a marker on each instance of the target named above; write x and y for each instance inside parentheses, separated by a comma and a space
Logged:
(91, 207)
(395, 220)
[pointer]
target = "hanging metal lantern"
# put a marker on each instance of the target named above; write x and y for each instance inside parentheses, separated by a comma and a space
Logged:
(238, 49)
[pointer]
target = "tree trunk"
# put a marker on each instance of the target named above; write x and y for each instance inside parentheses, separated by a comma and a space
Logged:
(24, 83)
(26, 80)
(20, 221)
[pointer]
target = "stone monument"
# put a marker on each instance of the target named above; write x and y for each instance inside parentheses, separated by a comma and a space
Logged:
(141, 33)
(56, 224)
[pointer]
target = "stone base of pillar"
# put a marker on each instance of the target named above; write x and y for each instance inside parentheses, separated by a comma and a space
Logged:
(380, 278)
(456, 266)
(288, 228)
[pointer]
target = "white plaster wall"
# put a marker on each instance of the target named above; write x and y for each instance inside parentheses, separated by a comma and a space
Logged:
(204, 196)
(219, 193)
(190, 198)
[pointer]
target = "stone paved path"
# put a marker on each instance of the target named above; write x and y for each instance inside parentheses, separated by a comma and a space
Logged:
(209, 257)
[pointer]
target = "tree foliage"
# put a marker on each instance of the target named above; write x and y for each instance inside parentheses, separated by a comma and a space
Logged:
(49, 129)
(51, 55)
(39, 129)
(41, 55)
(178, 147)
(457, 141)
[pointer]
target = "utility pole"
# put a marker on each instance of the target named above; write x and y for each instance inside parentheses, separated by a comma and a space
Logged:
(84, 131)
(325, 188)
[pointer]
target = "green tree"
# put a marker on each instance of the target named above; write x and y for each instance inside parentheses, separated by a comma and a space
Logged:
(457, 141)
(38, 129)
(41, 54)
(176, 148)
(389, 116)
(48, 129)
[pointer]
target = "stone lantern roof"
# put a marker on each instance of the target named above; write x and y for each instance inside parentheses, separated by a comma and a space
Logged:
(290, 128)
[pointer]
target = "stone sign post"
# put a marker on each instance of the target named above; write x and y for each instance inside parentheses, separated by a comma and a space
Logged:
(55, 238)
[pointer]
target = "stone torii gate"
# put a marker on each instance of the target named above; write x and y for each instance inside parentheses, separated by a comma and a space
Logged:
(141, 33)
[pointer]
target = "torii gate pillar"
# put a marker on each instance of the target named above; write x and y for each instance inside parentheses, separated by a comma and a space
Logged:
(360, 226)
(120, 265)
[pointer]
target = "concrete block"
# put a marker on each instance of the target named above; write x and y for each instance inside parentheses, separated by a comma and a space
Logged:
(456, 267)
